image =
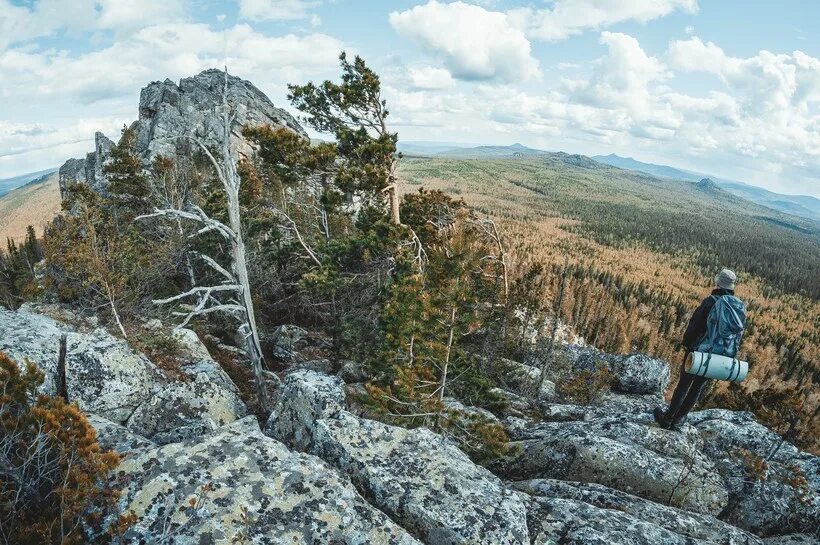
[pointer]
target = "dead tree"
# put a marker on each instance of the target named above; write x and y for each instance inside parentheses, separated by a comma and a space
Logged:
(233, 295)
(556, 312)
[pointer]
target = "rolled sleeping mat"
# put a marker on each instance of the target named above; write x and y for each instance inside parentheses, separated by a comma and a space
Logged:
(716, 366)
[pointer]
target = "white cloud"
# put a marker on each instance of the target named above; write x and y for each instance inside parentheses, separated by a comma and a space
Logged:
(45, 17)
(278, 10)
(430, 77)
(569, 17)
(167, 50)
(622, 77)
(472, 42)
(125, 14)
(26, 147)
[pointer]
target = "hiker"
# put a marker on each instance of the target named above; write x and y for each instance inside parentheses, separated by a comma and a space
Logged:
(705, 333)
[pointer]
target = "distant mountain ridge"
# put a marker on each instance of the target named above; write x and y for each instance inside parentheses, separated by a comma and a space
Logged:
(798, 205)
(8, 184)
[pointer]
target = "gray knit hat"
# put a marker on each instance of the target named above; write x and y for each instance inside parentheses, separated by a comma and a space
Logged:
(726, 279)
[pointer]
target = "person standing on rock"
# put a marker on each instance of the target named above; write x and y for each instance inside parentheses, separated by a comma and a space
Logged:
(698, 338)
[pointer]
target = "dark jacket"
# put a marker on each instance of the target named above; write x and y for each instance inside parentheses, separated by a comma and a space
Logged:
(697, 323)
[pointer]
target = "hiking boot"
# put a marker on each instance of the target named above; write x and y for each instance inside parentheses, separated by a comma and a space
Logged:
(677, 423)
(661, 418)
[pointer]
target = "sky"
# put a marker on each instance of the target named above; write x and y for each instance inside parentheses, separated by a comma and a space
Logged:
(730, 88)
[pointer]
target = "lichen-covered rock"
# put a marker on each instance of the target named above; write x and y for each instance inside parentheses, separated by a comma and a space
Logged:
(105, 376)
(640, 374)
(610, 405)
(186, 409)
(793, 539)
(703, 529)
(113, 436)
(561, 521)
(643, 460)
(422, 481)
(785, 497)
(238, 482)
(306, 396)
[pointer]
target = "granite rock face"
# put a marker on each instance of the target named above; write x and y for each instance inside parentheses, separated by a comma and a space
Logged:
(240, 483)
(192, 108)
(642, 460)
(767, 504)
(612, 508)
(90, 169)
(106, 377)
(422, 481)
(306, 397)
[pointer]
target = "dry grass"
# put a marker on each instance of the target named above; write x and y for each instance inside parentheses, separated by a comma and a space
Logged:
(34, 205)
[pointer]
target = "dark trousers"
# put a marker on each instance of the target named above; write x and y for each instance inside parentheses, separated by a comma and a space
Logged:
(687, 393)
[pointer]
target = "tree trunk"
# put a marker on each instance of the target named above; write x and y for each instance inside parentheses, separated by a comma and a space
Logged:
(62, 381)
(240, 260)
(393, 196)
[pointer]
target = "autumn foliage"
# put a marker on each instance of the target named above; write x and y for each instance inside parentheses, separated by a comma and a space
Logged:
(53, 473)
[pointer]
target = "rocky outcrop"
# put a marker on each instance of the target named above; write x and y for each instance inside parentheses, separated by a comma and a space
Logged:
(632, 457)
(191, 108)
(90, 169)
(418, 478)
(783, 496)
(611, 508)
(307, 396)
(106, 377)
(426, 484)
(238, 485)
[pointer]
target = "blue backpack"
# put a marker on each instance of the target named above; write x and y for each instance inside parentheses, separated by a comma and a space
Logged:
(724, 326)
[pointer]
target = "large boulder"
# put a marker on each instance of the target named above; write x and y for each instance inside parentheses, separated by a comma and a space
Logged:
(569, 522)
(306, 396)
(422, 481)
(642, 460)
(634, 374)
(187, 408)
(611, 506)
(782, 496)
(640, 374)
(238, 485)
(105, 376)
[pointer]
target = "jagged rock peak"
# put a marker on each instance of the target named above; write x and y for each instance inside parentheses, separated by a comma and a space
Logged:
(193, 107)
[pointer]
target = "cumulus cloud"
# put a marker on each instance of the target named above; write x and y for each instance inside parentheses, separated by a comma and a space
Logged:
(429, 77)
(472, 42)
(44, 17)
(169, 50)
(568, 17)
(622, 77)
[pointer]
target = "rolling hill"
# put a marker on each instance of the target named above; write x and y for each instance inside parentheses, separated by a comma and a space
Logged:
(7, 184)
(35, 203)
(798, 205)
